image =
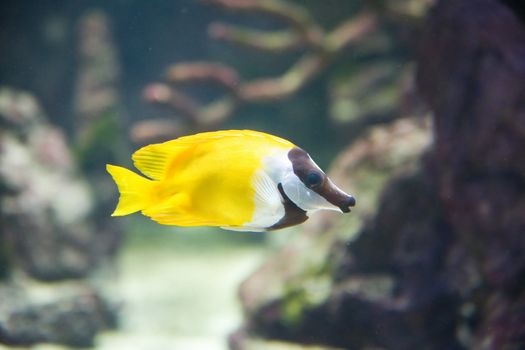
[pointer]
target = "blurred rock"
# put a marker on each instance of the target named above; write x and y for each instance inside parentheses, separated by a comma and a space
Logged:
(440, 264)
(69, 314)
(46, 210)
(47, 232)
(475, 82)
(473, 76)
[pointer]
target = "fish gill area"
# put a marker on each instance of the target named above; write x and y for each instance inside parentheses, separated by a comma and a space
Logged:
(415, 107)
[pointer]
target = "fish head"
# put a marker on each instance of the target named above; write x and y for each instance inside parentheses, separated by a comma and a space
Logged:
(308, 187)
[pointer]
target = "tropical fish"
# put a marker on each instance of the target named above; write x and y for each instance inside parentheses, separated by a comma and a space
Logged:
(239, 180)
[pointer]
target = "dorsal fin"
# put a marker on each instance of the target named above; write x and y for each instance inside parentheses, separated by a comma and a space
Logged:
(214, 135)
(153, 160)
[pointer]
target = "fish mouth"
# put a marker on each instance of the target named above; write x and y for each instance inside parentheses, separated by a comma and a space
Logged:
(349, 202)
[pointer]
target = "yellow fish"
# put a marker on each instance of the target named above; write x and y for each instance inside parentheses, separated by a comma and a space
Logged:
(235, 179)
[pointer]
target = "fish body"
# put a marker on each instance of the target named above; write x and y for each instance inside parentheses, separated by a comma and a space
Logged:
(235, 179)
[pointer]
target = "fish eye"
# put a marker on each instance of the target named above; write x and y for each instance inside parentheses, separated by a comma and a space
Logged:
(313, 179)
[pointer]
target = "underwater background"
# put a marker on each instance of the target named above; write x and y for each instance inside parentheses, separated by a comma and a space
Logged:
(415, 107)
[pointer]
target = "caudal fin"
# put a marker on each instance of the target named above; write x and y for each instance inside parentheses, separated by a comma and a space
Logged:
(136, 192)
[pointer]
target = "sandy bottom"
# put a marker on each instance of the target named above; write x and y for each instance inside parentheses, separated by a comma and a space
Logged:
(180, 291)
(184, 302)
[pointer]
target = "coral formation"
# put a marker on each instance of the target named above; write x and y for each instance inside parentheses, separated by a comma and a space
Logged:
(303, 33)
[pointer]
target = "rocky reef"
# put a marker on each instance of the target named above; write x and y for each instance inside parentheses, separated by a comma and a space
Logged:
(50, 243)
(439, 264)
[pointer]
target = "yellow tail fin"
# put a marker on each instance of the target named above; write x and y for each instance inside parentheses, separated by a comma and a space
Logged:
(136, 192)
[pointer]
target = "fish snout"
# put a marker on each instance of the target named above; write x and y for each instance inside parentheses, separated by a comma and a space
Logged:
(348, 202)
(337, 197)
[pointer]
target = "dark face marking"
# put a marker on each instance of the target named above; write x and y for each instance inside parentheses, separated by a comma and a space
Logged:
(317, 181)
(293, 215)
